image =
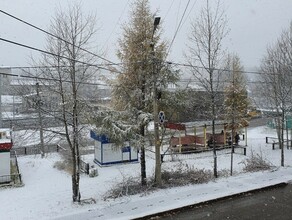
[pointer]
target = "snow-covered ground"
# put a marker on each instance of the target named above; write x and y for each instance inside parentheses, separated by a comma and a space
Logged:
(47, 193)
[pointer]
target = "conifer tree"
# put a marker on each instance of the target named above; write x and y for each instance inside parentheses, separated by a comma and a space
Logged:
(236, 100)
(141, 53)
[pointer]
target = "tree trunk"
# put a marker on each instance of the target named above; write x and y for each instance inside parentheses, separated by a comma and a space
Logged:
(282, 138)
(213, 133)
(142, 159)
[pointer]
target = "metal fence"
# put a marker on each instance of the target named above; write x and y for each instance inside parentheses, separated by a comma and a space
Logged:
(33, 150)
(84, 167)
(176, 156)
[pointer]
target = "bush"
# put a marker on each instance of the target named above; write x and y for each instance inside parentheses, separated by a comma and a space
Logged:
(64, 165)
(128, 186)
(181, 176)
(256, 163)
(184, 175)
(93, 172)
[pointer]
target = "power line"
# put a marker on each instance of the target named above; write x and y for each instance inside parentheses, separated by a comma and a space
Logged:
(217, 69)
(52, 35)
(98, 66)
(50, 79)
(169, 9)
(178, 27)
(119, 19)
(52, 54)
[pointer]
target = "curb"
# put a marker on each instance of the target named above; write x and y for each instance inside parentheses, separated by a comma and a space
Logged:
(184, 208)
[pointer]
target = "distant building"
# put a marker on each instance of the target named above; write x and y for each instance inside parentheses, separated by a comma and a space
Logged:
(5, 147)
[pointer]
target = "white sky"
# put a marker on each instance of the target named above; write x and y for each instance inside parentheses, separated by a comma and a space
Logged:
(253, 25)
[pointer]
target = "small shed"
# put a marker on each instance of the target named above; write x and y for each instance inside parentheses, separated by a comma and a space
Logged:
(107, 153)
(5, 146)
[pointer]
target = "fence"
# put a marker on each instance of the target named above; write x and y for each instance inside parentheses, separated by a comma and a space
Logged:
(32, 150)
(50, 148)
(84, 167)
(176, 156)
(275, 141)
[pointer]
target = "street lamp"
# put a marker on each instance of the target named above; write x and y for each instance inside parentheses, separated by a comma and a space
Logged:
(155, 111)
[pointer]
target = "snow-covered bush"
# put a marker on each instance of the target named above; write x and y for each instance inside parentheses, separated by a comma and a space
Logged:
(93, 172)
(184, 174)
(64, 165)
(128, 186)
(256, 163)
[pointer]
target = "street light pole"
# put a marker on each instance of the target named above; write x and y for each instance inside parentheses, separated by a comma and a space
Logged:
(158, 181)
(0, 100)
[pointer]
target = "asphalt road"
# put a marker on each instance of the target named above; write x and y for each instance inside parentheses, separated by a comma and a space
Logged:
(271, 204)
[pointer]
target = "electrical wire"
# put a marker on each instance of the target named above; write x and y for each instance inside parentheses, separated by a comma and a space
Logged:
(178, 27)
(52, 35)
(50, 79)
(52, 54)
(217, 69)
(119, 19)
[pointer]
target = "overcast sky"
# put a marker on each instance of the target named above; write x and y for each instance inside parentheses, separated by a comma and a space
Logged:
(253, 25)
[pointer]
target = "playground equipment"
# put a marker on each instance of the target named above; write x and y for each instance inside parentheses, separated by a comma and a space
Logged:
(200, 141)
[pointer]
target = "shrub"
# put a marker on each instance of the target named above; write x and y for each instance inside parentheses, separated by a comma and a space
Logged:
(256, 163)
(184, 175)
(181, 176)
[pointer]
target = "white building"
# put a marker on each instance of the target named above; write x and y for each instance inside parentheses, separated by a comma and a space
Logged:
(5, 146)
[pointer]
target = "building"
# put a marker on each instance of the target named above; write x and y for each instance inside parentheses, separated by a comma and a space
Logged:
(107, 153)
(5, 147)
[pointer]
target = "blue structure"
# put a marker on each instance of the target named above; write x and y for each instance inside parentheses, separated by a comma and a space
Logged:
(107, 153)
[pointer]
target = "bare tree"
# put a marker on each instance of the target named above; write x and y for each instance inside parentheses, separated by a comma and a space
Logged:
(69, 68)
(206, 50)
(277, 81)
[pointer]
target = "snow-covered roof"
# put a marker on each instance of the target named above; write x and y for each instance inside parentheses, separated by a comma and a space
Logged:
(9, 99)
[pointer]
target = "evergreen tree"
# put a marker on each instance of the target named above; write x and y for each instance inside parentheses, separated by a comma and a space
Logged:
(236, 101)
(142, 53)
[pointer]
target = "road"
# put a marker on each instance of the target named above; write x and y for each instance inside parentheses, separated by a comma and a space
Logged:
(274, 204)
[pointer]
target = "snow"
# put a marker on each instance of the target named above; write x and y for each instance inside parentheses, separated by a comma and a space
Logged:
(9, 99)
(47, 191)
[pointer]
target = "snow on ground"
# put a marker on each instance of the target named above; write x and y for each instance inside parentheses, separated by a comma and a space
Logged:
(47, 191)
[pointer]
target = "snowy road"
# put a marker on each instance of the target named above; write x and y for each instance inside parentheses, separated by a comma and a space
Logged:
(275, 203)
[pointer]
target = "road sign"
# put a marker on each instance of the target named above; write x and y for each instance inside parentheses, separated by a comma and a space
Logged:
(161, 117)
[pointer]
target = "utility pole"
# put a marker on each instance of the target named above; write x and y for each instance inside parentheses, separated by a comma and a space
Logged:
(3, 71)
(158, 181)
(1, 101)
(38, 102)
(233, 119)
